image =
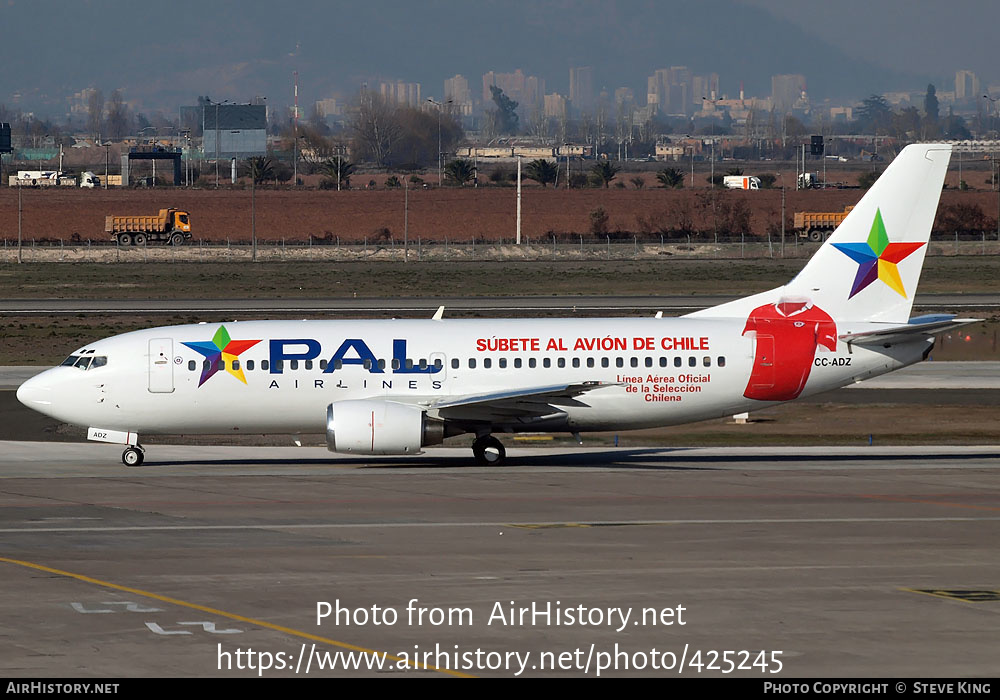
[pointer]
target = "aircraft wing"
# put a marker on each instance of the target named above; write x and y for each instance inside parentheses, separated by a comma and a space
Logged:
(919, 326)
(522, 403)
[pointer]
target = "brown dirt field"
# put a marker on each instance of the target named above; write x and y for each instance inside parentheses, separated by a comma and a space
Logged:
(486, 213)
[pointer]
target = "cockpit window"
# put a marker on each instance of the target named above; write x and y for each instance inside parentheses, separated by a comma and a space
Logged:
(85, 363)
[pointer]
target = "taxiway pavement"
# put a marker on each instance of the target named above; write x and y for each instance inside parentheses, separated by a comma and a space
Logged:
(851, 562)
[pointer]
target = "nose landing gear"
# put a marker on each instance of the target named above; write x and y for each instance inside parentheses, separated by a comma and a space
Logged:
(133, 456)
(489, 451)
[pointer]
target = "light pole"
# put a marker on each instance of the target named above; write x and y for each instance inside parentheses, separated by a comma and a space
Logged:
(406, 220)
(107, 161)
(996, 174)
(216, 135)
(253, 218)
(440, 106)
(782, 213)
(19, 220)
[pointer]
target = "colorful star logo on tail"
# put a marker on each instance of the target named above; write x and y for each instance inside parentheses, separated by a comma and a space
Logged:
(877, 258)
(221, 349)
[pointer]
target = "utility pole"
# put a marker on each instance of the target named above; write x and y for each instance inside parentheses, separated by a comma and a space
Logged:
(19, 221)
(253, 218)
(519, 200)
(406, 220)
(295, 134)
(440, 106)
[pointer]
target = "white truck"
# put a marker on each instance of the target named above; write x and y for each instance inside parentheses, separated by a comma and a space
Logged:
(741, 182)
(89, 179)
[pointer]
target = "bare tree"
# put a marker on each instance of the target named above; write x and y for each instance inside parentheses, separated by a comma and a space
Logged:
(95, 113)
(376, 128)
(118, 116)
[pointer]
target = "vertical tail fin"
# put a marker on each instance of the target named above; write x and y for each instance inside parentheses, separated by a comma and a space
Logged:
(869, 268)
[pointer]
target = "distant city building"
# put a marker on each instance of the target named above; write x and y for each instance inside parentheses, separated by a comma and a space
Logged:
(581, 88)
(329, 108)
(400, 93)
(527, 90)
(624, 96)
(457, 90)
(555, 106)
(676, 90)
(786, 90)
(966, 85)
(241, 130)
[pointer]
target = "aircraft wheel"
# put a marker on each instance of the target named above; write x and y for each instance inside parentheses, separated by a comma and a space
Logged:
(124, 239)
(132, 456)
(489, 451)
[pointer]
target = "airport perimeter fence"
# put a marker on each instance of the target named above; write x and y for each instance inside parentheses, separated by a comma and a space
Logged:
(419, 250)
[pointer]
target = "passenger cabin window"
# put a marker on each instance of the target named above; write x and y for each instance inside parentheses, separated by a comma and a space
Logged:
(250, 365)
(605, 362)
(236, 364)
(454, 363)
(677, 362)
(309, 364)
(292, 364)
(692, 361)
(487, 363)
(502, 363)
(619, 362)
(265, 364)
(634, 362)
(546, 363)
(663, 362)
(517, 363)
(472, 363)
(720, 361)
(707, 361)
(323, 364)
(192, 365)
(532, 362)
(561, 362)
(649, 361)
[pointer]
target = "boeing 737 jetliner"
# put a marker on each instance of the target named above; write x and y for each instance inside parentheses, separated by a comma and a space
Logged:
(388, 387)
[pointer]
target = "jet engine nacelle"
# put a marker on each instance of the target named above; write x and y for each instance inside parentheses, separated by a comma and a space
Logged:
(376, 427)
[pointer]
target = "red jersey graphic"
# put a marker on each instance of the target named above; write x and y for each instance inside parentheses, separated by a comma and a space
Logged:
(788, 334)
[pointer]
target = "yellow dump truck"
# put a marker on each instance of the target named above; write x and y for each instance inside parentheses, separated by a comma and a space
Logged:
(171, 226)
(818, 225)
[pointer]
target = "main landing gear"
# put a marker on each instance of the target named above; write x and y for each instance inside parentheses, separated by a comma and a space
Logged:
(489, 451)
(133, 456)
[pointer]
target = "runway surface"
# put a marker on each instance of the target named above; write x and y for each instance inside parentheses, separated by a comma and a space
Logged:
(851, 562)
(381, 306)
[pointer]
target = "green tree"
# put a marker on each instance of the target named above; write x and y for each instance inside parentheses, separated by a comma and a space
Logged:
(605, 172)
(338, 168)
(874, 114)
(260, 169)
(507, 119)
(542, 171)
(670, 178)
(459, 171)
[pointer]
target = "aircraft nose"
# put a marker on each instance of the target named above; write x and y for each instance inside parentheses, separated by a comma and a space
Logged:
(36, 393)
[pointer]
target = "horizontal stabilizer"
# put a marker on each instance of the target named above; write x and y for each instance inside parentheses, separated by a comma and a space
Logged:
(925, 326)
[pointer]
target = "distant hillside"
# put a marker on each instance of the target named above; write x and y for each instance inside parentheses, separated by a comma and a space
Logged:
(164, 54)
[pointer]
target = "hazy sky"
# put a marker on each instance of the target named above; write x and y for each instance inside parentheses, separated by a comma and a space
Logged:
(923, 36)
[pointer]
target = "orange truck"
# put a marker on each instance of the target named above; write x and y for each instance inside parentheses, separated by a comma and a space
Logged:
(170, 226)
(818, 225)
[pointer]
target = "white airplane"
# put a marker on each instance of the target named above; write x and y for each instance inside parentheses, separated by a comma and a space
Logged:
(390, 387)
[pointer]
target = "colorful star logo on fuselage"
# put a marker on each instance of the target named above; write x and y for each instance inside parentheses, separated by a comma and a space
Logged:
(221, 349)
(877, 258)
